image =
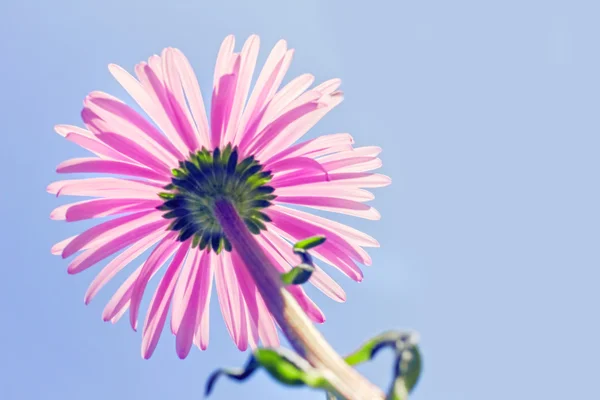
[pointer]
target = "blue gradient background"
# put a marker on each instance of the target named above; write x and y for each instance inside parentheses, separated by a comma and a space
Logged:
(488, 116)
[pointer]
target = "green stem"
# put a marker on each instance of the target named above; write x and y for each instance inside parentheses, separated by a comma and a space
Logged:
(299, 330)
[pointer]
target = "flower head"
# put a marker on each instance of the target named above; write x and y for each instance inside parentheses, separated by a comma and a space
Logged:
(171, 171)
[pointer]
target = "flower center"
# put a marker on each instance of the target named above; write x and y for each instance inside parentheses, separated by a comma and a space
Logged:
(207, 177)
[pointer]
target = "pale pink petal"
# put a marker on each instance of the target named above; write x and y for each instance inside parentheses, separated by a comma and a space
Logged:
(285, 96)
(366, 151)
(98, 208)
(299, 128)
(88, 141)
(121, 261)
(342, 206)
(320, 146)
(350, 234)
(161, 253)
(119, 302)
(329, 86)
(352, 179)
(159, 305)
(92, 256)
(279, 126)
(97, 165)
(59, 247)
(324, 191)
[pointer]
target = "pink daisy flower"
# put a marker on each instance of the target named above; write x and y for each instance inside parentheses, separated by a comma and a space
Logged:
(170, 172)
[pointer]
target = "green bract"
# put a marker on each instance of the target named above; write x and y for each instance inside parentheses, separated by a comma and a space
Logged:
(210, 176)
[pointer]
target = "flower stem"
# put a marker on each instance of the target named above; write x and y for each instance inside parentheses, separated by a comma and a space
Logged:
(299, 330)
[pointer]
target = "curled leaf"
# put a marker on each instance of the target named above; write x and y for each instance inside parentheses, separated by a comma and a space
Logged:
(302, 273)
(298, 275)
(238, 374)
(283, 365)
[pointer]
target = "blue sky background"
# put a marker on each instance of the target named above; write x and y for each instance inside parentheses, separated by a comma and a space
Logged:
(488, 116)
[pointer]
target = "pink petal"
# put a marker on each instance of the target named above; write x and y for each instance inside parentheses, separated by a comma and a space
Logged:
(264, 89)
(300, 227)
(223, 95)
(92, 256)
(159, 305)
(122, 118)
(157, 258)
(309, 307)
(98, 208)
(138, 151)
(105, 187)
(295, 163)
(247, 65)
(96, 165)
(267, 331)
(193, 95)
(108, 229)
(201, 335)
(249, 293)
(181, 116)
(337, 259)
(230, 301)
(320, 279)
(120, 262)
(147, 100)
(191, 308)
(151, 76)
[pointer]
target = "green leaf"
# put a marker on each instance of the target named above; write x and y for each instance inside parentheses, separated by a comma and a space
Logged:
(289, 368)
(309, 243)
(298, 275)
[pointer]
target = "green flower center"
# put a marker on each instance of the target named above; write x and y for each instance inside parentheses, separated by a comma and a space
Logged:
(207, 177)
